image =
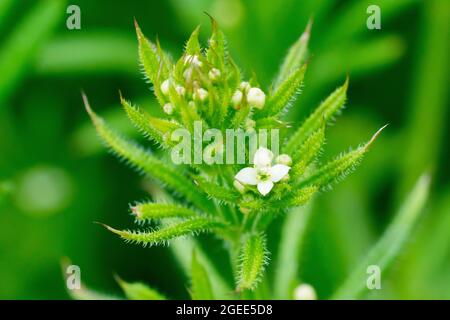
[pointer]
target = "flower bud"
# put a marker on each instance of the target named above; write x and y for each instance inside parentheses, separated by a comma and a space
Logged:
(256, 98)
(187, 74)
(284, 159)
(192, 59)
(165, 87)
(244, 86)
(168, 108)
(200, 94)
(181, 90)
(305, 292)
(214, 74)
(236, 99)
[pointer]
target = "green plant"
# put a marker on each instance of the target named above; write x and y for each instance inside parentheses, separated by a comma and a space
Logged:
(236, 202)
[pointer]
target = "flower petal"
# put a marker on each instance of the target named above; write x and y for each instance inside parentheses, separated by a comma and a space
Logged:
(263, 157)
(247, 176)
(264, 187)
(278, 171)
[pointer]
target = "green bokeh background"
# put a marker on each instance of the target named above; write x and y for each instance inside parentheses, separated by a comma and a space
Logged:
(56, 179)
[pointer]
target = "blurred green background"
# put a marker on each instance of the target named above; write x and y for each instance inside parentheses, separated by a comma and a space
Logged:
(56, 179)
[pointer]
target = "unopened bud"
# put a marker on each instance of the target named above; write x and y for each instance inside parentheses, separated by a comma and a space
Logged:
(244, 86)
(236, 99)
(200, 94)
(256, 98)
(168, 108)
(181, 90)
(214, 74)
(284, 159)
(165, 87)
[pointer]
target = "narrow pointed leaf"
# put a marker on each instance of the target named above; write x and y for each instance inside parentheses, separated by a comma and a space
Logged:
(154, 128)
(295, 58)
(153, 64)
(337, 169)
(151, 58)
(217, 191)
(291, 242)
(327, 109)
(391, 243)
(151, 210)
(216, 52)
(146, 162)
(286, 93)
(254, 257)
(201, 285)
(164, 234)
(308, 151)
(302, 196)
(192, 45)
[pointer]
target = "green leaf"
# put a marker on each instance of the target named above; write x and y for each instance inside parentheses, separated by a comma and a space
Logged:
(427, 116)
(302, 196)
(164, 234)
(139, 291)
(292, 239)
(216, 52)
(19, 48)
(97, 52)
(216, 191)
(309, 150)
(192, 45)
(182, 249)
(295, 58)
(254, 257)
(285, 94)
(340, 167)
(391, 243)
(150, 57)
(154, 128)
(201, 285)
(143, 160)
(154, 65)
(324, 112)
(151, 210)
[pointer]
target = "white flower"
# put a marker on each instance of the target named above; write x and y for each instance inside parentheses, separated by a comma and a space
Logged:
(263, 174)
(165, 87)
(236, 99)
(256, 98)
(305, 292)
(214, 74)
(168, 108)
(284, 159)
(200, 94)
(263, 158)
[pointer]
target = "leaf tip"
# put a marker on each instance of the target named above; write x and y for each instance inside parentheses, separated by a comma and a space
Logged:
(375, 136)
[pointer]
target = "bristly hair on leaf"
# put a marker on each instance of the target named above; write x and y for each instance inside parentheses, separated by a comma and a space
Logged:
(237, 202)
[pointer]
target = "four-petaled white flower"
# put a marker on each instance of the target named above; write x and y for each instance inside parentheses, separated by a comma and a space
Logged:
(262, 174)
